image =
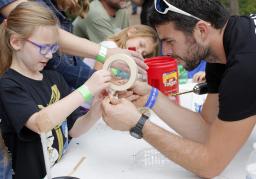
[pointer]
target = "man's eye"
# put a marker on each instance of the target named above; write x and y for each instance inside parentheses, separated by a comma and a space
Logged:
(142, 44)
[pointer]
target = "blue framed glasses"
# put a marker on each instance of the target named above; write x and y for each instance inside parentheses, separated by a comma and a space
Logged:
(45, 49)
(162, 7)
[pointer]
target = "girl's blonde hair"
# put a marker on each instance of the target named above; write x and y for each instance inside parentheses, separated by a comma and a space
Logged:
(74, 7)
(22, 21)
(136, 31)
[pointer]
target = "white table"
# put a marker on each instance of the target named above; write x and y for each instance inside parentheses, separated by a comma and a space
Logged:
(113, 155)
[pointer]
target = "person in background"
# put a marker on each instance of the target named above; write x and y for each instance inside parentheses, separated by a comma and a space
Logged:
(105, 18)
(70, 66)
(198, 74)
(145, 10)
(207, 141)
(35, 100)
(140, 38)
(134, 8)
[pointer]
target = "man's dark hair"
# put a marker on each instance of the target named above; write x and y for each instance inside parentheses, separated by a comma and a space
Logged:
(211, 11)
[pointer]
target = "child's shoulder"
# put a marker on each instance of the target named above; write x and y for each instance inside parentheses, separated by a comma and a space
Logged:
(9, 77)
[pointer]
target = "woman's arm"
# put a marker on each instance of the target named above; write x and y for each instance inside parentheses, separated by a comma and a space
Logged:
(74, 45)
(5, 11)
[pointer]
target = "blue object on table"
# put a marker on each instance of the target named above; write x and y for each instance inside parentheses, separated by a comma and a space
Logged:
(200, 67)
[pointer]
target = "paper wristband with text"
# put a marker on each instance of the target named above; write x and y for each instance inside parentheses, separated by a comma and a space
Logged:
(85, 92)
(152, 98)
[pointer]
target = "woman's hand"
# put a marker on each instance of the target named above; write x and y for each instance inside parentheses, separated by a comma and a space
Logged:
(137, 57)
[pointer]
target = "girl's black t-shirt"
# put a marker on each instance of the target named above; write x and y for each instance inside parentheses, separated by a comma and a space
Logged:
(20, 98)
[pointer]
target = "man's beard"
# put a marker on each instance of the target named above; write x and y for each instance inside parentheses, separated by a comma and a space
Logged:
(195, 54)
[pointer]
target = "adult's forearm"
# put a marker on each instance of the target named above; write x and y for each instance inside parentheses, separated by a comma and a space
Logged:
(193, 156)
(189, 124)
(74, 45)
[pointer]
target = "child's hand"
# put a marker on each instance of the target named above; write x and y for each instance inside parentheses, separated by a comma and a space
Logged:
(99, 81)
(96, 108)
(199, 77)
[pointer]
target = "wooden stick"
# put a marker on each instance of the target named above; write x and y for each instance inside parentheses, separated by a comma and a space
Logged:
(76, 167)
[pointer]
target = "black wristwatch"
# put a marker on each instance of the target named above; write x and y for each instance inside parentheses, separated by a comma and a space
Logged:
(136, 131)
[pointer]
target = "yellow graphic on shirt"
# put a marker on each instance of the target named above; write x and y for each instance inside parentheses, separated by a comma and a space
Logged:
(54, 154)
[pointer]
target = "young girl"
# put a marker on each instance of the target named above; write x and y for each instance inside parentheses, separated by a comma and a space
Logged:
(141, 38)
(34, 100)
(71, 67)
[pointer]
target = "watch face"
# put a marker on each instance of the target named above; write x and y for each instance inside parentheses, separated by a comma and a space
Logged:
(135, 134)
(145, 111)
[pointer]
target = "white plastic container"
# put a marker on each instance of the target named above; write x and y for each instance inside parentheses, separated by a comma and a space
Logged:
(150, 158)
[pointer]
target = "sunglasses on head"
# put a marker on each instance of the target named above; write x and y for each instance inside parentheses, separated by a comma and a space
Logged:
(162, 7)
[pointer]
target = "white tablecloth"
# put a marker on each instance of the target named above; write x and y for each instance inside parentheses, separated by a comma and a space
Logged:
(116, 155)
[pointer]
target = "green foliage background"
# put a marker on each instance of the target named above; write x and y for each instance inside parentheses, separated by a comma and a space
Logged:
(246, 6)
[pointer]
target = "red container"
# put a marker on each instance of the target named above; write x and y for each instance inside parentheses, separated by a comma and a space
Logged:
(163, 74)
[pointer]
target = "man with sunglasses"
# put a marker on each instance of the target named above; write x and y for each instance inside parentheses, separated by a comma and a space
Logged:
(208, 141)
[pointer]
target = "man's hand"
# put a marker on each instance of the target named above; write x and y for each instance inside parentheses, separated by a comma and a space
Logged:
(135, 55)
(138, 94)
(122, 116)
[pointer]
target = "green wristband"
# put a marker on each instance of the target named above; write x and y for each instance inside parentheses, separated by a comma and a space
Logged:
(85, 92)
(101, 57)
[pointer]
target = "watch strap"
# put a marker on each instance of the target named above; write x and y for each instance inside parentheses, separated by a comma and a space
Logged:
(139, 126)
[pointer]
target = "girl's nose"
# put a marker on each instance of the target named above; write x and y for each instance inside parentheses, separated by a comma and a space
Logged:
(49, 55)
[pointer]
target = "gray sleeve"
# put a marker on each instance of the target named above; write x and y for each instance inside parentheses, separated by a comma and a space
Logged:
(79, 27)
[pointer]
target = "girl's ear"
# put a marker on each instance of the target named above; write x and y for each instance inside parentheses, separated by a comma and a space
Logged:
(131, 31)
(16, 42)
